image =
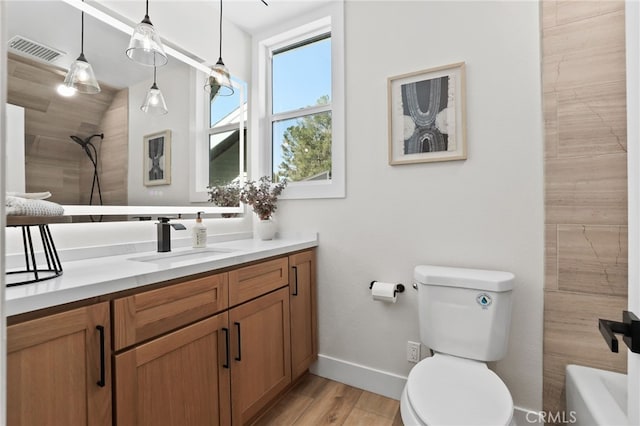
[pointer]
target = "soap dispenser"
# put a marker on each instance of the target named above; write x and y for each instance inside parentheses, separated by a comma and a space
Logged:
(199, 233)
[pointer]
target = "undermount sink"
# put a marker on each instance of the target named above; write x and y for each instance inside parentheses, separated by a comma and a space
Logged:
(181, 256)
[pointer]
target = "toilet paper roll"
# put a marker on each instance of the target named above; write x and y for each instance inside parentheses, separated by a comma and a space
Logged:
(384, 292)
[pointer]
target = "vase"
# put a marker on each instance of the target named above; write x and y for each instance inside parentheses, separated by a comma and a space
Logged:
(266, 229)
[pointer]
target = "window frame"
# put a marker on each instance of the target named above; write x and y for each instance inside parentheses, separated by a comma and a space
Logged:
(327, 19)
(199, 155)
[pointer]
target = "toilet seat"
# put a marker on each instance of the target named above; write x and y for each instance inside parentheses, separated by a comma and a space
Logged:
(446, 390)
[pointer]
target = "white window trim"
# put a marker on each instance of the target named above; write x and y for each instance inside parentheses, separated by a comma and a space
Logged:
(329, 16)
(199, 143)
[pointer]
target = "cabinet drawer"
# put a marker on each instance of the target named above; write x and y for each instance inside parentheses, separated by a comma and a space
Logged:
(146, 315)
(252, 281)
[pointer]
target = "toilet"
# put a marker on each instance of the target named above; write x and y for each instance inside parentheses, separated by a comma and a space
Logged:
(464, 317)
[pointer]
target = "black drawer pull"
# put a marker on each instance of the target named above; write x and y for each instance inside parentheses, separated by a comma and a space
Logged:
(239, 357)
(295, 276)
(101, 382)
(226, 339)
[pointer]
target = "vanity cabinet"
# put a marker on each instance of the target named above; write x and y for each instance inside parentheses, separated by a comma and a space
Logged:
(57, 373)
(302, 291)
(211, 350)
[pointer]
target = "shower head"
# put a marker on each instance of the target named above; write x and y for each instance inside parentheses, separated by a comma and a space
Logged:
(86, 141)
(78, 140)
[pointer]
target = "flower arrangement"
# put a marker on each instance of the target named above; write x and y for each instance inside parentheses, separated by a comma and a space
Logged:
(262, 196)
(225, 196)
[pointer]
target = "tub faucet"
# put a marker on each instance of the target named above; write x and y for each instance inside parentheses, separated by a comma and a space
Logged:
(164, 233)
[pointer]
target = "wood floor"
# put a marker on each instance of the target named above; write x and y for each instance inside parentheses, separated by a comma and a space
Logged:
(316, 401)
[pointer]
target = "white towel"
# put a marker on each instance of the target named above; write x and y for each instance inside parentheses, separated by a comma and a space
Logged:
(30, 195)
(17, 206)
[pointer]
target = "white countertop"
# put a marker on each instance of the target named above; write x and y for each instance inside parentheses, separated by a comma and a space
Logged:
(96, 276)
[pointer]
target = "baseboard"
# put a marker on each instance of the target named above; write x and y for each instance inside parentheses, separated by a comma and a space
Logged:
(388, 384)
(360, 376)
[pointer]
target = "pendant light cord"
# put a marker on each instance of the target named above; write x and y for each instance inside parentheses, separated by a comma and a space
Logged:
(82, 35)
(220, 29)
(82, 32)
(146, 10)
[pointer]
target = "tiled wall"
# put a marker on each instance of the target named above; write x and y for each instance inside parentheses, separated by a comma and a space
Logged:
(583, 73)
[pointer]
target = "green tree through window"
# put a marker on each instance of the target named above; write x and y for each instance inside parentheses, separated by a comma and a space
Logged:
(306, 148)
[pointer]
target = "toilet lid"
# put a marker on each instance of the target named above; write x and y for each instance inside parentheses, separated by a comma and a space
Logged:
(445, 390)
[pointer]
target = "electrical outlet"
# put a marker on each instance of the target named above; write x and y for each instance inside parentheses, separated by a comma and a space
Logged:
(413, 351)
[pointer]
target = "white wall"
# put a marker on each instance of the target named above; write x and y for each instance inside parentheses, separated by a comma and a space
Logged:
(485, 212)
(15, 149)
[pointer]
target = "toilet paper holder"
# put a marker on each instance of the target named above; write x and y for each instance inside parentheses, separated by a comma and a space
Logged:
(398, 289)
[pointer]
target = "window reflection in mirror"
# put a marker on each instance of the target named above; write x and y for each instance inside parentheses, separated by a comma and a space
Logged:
(227, 145)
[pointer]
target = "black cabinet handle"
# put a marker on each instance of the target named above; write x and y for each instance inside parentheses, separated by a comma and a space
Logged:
(226, 339)
(295, 276)
(607, 330)
(239, 357)
(101, 382)
(629, 328)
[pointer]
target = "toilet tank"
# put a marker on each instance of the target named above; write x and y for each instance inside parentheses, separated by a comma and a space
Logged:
(464, 312)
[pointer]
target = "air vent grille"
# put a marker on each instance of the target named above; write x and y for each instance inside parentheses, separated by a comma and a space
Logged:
(33, 49)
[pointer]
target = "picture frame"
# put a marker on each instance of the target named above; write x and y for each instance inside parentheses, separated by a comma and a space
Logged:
(157, 158)
(427, 115)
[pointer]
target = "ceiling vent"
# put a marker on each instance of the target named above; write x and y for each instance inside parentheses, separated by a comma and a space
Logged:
(32, 49)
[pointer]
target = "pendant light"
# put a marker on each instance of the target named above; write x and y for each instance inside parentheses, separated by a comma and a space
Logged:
(219, 82)
(80, 76)
(145, 46)
(154, 101)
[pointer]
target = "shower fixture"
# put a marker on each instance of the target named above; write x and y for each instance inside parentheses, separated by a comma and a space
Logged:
(91, 151)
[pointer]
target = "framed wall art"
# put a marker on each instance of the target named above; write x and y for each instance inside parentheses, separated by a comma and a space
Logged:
(427, 115)
(157, 158)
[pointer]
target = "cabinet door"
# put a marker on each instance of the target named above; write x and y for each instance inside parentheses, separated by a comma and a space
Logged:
(181, 378)
(261, 357)
(56, 371)
(302, 290)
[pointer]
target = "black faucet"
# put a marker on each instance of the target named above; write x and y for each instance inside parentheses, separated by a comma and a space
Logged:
(164, 233)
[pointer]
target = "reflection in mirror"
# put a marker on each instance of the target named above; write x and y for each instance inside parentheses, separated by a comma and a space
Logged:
(55, 162)
(227, 115)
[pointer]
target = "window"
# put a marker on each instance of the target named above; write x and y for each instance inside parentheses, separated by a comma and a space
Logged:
(299, 105)
(301, 110)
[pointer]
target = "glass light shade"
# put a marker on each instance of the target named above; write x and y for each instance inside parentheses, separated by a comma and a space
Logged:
(81, 77)
(145, 46)
(219, 82)
(154, 102)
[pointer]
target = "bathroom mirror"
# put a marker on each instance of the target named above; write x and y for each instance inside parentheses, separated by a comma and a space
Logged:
(57, 163)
